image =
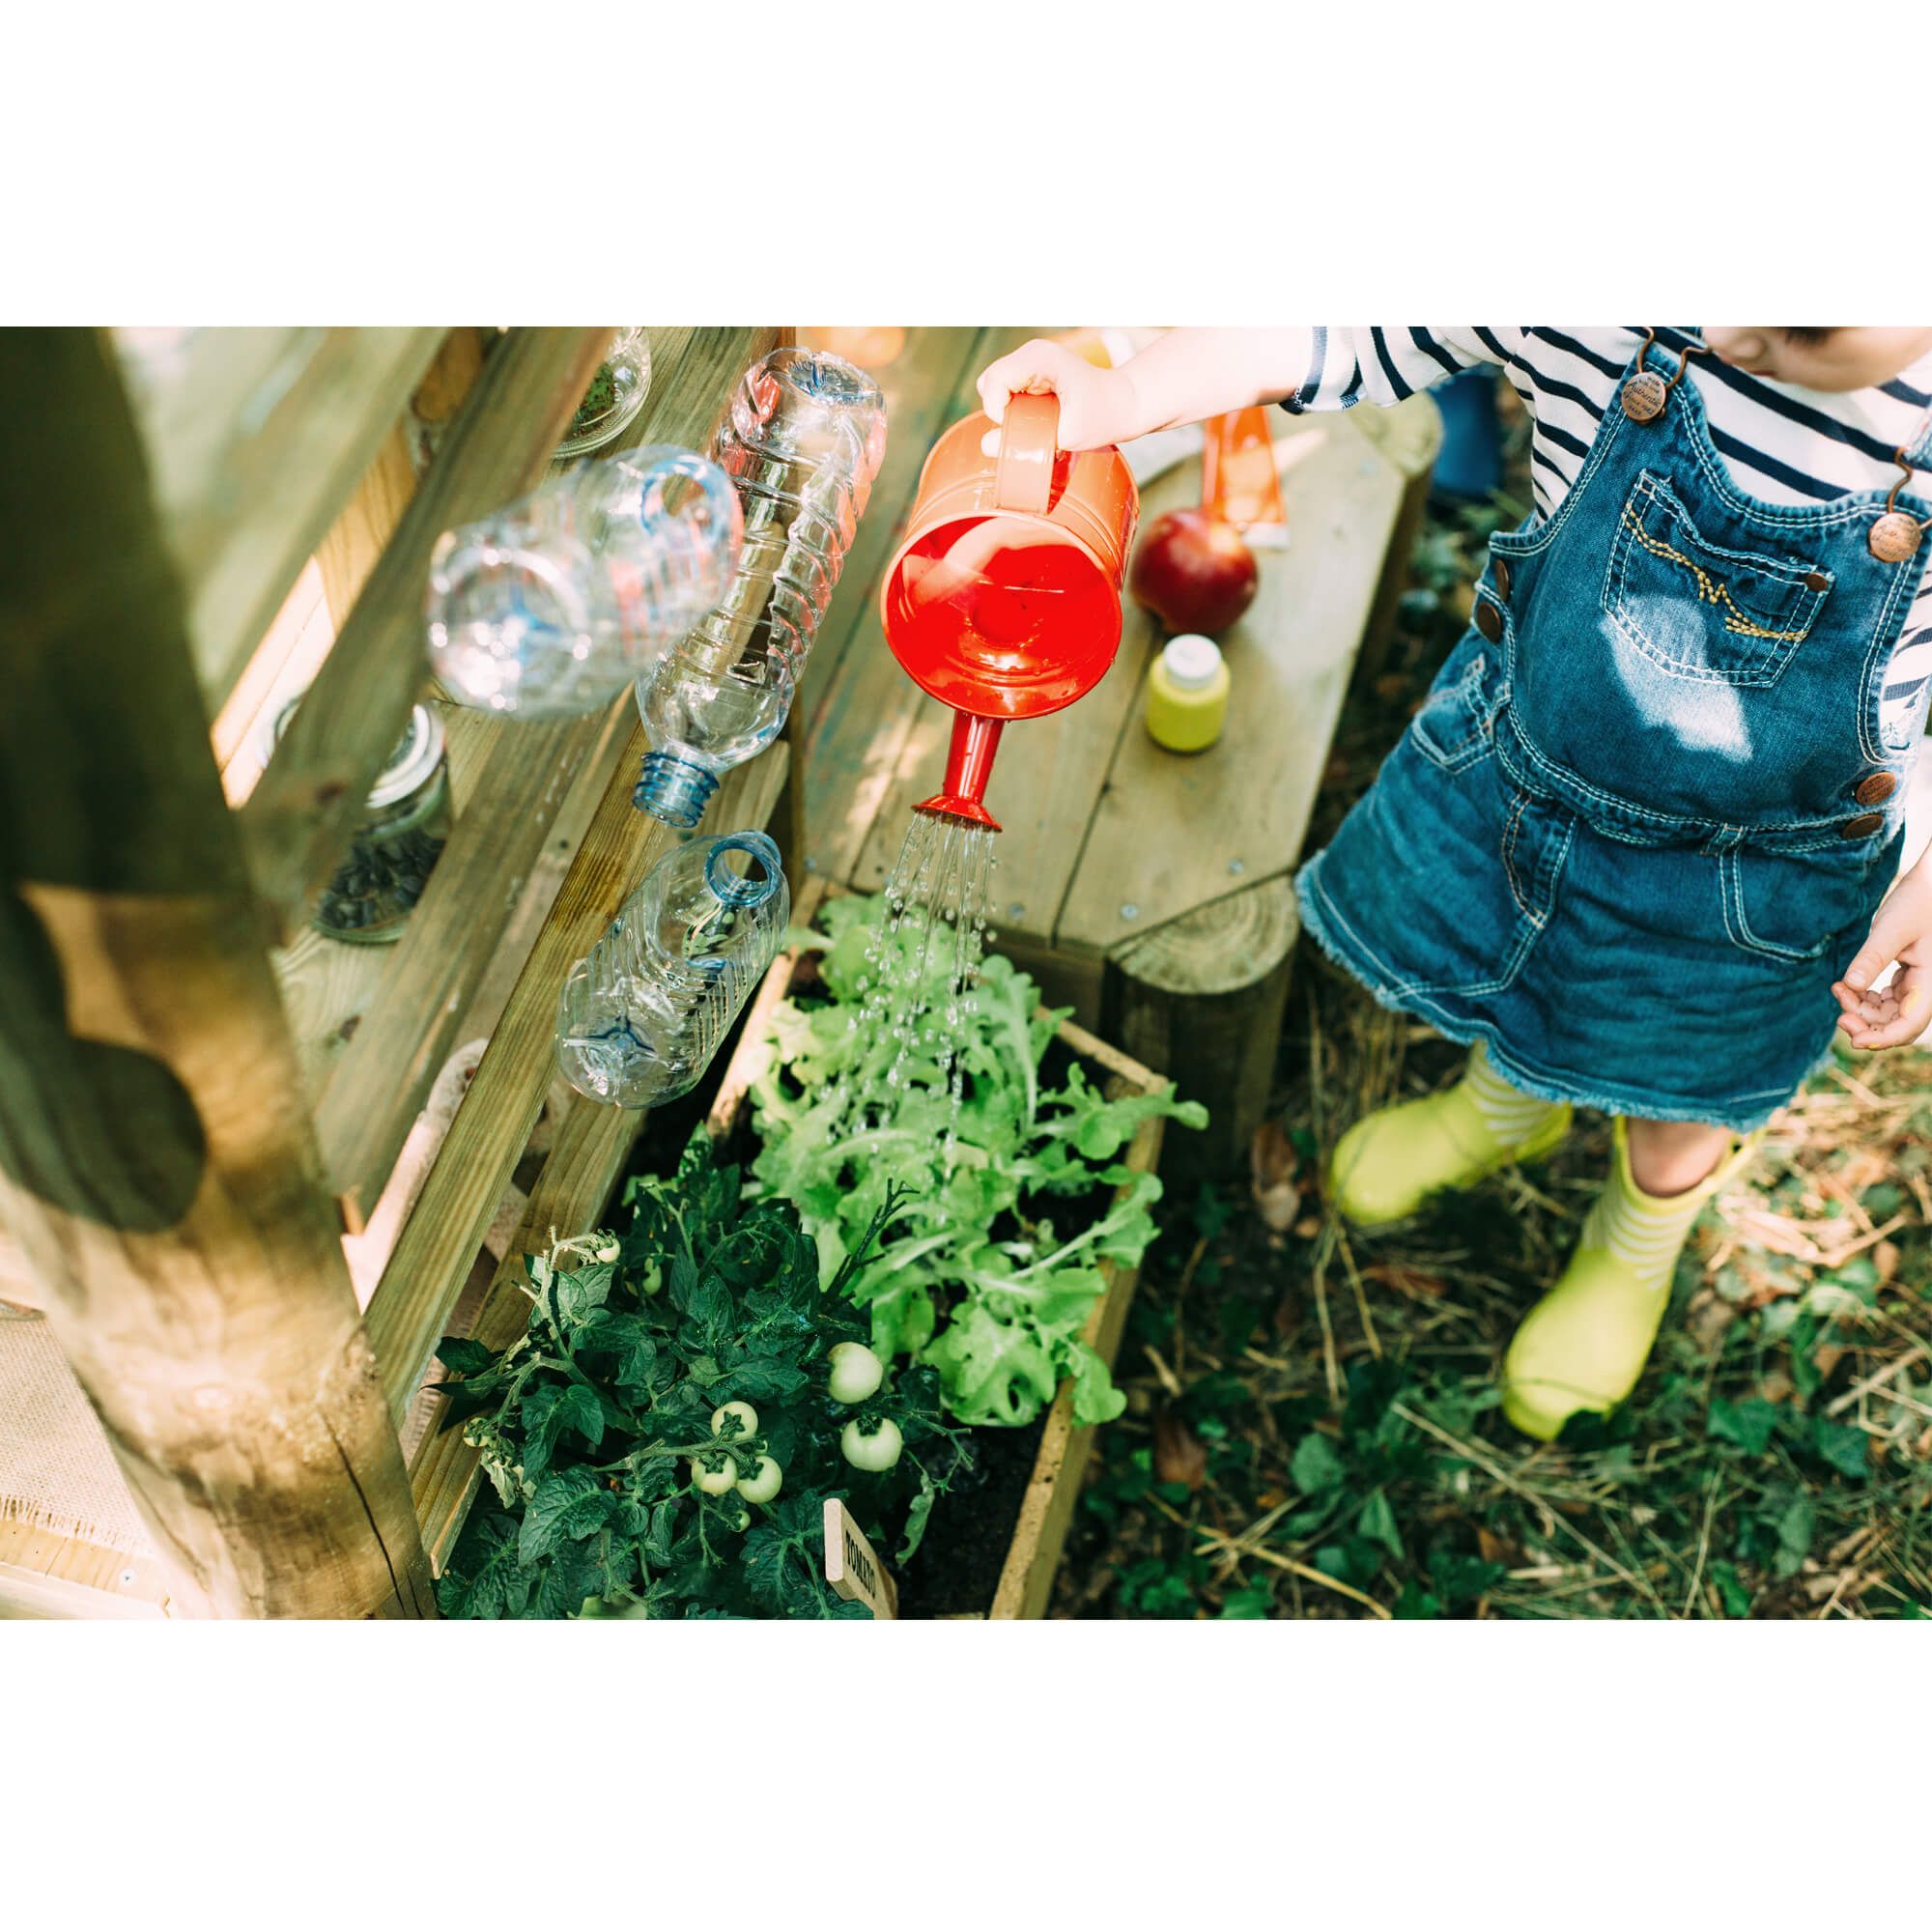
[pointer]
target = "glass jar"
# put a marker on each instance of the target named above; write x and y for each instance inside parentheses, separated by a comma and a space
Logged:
(615, 395)
(398, 843)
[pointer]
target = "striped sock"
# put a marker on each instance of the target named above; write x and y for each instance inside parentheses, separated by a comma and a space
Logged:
(1510, 1114)
(1645, 1231)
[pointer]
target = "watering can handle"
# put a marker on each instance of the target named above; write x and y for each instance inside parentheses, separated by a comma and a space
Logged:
(1029, 435)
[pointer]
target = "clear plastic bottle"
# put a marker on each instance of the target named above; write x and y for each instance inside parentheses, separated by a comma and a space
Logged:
(643, 1013)
(615, 395)
(552, 605)
(802, 442)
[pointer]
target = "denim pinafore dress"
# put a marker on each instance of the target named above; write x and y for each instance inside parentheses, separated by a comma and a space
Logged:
(1646, 814)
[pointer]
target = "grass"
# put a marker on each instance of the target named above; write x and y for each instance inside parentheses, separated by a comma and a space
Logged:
(1313, 1426)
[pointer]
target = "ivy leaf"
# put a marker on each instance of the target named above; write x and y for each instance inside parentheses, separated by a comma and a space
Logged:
(1749, 1424)
(1376, 1521)
(1846, 1448)
(1316, 1467)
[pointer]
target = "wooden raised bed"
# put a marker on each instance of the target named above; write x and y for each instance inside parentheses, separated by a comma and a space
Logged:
(1026, 1578)
(591, 1143)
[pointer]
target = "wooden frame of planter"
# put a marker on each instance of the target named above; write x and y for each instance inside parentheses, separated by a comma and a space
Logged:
(1046, 1508)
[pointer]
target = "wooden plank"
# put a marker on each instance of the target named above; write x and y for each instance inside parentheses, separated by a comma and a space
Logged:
(1174, 833)
(155, 1163)
(425, 1275)
(255, 439)
(858, 703)
(513, 781)
(349, 549)
(1033, 1560)
(45, 1576)
(283, 662)
(298, 820)
(591, 1146)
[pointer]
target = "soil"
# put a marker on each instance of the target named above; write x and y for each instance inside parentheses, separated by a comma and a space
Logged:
(957, 1569)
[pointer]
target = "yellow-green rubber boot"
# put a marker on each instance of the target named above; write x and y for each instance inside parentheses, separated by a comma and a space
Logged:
(1389, 1163)
(1582, 1347)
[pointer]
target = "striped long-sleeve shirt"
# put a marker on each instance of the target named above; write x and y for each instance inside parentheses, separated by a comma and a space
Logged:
(1783, 445)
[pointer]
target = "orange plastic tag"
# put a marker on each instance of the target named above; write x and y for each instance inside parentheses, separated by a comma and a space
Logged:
(1238, 475)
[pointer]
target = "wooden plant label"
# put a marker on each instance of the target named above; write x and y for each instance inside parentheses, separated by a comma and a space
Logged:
(850, 1566)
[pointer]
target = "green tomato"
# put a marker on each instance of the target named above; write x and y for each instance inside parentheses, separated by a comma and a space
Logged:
(855, 1372)
(876, 1452)
(715, 1473)
(651, 1280)
(763, 1483)
(748, 1418)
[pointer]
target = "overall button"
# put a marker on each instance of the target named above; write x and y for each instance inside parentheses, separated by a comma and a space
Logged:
(1876, 789)
(1499, 576)
(1816, 579)
(1644, 396)
(1862, 826)
(1894, 537)
(1488, 621)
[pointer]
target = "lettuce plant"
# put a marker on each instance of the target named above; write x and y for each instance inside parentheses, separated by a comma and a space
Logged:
(971, 1274)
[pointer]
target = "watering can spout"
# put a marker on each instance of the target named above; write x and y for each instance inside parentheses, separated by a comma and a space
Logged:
(969, 764)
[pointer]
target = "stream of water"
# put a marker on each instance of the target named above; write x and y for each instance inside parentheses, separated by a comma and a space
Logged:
(926, 958)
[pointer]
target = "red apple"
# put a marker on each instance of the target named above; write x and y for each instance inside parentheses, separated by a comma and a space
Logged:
(1194, 572)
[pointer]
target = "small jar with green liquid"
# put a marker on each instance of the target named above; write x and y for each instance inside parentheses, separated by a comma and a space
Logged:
(1187, 695)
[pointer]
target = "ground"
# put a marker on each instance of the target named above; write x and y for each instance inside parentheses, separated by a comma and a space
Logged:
(1313, 1426)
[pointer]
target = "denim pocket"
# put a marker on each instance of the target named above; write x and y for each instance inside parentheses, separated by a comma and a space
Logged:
(1698, 608)
(1453, 729)
(1794, 907)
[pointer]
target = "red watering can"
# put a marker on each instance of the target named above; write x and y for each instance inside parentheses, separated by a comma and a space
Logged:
(1004, 601)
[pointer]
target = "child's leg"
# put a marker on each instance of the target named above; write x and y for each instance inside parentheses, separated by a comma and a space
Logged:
(1669, 1156)
(1582, 1347)
(1386, 1165)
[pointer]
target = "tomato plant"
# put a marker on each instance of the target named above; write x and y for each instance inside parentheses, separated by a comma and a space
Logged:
(662, 1438)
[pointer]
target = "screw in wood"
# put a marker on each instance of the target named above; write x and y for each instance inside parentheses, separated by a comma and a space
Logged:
(1130, 912)
(1236, 867)
(1015, 910)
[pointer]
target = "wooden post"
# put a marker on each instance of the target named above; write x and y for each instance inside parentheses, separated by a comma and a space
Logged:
(155, 1163)
(1201, 999)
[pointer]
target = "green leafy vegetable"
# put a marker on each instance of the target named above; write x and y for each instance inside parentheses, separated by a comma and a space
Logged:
(969, 1276)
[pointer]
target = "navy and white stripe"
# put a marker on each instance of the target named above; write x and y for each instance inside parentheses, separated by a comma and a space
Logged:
(1784, 444)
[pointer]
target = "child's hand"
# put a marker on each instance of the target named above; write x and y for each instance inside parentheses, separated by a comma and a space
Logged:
(1902, 931)
(1097, 406)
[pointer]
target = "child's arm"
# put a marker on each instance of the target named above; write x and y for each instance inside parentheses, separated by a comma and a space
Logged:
(1902, 931)
(1191, 373)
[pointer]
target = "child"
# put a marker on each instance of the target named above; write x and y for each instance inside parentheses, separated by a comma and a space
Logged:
(1633, 846)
